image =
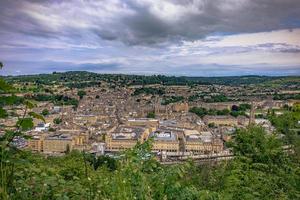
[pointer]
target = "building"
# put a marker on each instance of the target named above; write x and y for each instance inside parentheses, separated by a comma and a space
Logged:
(217, 106)
(201, 143)
(56, 109)
(98, 148)
(243, 120)
(42, 127)
(220, 120)
(266, 124)
(143, 122)
(36, 143)
(165, 140)
(58, 143)
(125, 137)
(85, 119)
(180, 107)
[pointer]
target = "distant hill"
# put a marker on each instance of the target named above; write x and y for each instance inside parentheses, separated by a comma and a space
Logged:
(88, 78)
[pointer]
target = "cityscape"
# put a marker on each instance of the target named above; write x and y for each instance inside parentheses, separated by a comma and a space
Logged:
(149, 100)
(184, 119)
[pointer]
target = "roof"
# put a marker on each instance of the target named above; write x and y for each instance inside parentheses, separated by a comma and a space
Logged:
(219, 117)
(127, 133)
(142, 120)
(168, 123)
(59, 136)
(164, 135)
(191, 132)
(205, 136)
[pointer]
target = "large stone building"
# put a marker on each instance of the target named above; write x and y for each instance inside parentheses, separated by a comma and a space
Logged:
(125, 137)
(219, 120)
(57, 143)
(180, 107)
(144, 122)
(199, 143)
(36, 143)
(165, 140)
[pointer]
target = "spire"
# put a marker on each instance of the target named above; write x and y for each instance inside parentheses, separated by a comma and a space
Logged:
(252, 113)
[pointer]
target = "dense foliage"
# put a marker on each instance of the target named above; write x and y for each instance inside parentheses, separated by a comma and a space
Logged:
(151, 115)
(201, 112)
(172, 99)
(56, 99)
(261, 170)
(208, 98)
(82, 79)
(81, 93)
(149, 90)
(286, 96)
(217, 98)
(11, 100)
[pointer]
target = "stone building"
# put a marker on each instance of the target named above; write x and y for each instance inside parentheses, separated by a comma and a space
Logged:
(220, 120)
(125, 137)
(199, 143)
(165, 140)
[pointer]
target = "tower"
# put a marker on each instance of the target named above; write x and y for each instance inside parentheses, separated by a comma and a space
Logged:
(252, 114)
(156, 106)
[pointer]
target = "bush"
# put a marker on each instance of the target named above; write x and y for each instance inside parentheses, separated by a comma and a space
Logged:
(151, 115)
(57, 120)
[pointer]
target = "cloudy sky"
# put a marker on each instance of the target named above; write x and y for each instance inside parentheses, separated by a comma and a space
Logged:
(173, 37)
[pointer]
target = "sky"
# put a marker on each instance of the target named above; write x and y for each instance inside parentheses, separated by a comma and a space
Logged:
(171, 37)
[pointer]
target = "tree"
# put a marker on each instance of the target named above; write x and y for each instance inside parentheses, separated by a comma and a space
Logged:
(234, 108)
(45, 112)
(57, 120)
(211, 125)
(151, 115)
(254, 143)
(244, 107)
(3, 113)
(198, 111)
(52, 129)
(223, 112)
(10, 156)
(68, 149)
(261, 169)
(81, 93)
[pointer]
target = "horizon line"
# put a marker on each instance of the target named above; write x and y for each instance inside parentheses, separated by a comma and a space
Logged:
(146, 74)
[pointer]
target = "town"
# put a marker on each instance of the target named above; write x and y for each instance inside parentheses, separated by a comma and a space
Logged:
(108, 116)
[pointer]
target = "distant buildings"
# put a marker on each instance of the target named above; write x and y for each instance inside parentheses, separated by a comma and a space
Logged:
(180, 107)
(221, 120)
(143, 122)
(42, 127)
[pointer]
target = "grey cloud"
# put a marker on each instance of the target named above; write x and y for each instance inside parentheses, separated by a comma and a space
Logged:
(249, 16)
(98, 66)
(34, 67)
(143, 26)
(236, 70)
(278, 47)
(68, 66)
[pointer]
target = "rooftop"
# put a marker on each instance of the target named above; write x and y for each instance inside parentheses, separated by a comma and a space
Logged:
(142, 120)
(164, 135)
(127, 133)
(59, 136)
